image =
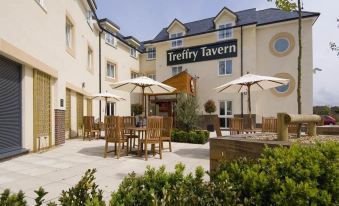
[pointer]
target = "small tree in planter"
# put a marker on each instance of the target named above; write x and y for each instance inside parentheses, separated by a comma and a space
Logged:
(210, 108)
(186, 111)
(136, 109)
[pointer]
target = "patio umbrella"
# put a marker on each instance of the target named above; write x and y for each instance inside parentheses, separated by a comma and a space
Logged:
(105, 97)
(251, 82)
(143, 85)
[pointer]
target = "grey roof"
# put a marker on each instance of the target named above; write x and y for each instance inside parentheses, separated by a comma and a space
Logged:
(245, 17)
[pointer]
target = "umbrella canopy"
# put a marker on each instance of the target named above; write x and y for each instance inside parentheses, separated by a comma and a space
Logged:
(106, 96)
(256, 82)
(143, 85)
(251, 82)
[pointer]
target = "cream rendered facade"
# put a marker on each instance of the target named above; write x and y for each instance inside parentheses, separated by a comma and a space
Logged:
(33, 35)
(257, 58)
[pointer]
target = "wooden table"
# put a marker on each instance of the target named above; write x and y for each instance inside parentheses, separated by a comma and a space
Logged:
(141, 133)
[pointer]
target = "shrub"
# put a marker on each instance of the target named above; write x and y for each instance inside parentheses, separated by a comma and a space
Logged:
(195, 137)
(137, 109)
(210, 106)
(186, 112)
(9, 199)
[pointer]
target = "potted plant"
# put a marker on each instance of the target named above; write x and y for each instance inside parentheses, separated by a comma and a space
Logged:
(136, 111)
(210, 108)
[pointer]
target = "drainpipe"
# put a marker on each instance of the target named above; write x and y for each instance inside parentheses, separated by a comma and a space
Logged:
(242, 71)
(100, 32)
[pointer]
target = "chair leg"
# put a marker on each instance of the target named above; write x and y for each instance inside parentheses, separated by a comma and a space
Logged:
(106, 148)
(133, 142)
(115, 148)
(160, 150)
(127, 147)
(118, 152)
(146, 158)
(139, 150)
(170, 145)
(153, 149)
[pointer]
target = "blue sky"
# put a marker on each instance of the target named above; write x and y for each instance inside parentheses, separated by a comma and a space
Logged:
(145, 18)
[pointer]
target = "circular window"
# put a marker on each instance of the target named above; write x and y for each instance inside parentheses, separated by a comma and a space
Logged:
(282, 44)
(284, 90)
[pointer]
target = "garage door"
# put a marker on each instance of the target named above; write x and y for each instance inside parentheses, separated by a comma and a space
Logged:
(10, 107)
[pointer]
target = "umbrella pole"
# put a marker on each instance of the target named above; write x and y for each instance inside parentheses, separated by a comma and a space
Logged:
(249, 104)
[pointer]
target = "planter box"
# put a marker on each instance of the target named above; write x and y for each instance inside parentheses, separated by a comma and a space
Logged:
(230, 148)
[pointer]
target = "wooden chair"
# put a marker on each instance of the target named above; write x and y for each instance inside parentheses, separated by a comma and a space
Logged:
(167, 132)
(152, 136)
(269, 124)
(114, 133)
(89, 128)
(129, 121)
(236, 126)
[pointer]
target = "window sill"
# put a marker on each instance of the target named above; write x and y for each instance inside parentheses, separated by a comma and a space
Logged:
(134, 57)
(42, 7)
(114, 46)
(151, 59)
(224, 75)
(110, 79)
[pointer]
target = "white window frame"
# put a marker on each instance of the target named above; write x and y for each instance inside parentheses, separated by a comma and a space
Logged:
(90, 59)
(226, 24)
(134, 75)
(225, 63)
(175, 70)
(110, 39)
(109, 111)
(110, 65)
(69, 34)
(151, 53)
(152, 76)
(226, 115)
(133, 52)
(175, 35)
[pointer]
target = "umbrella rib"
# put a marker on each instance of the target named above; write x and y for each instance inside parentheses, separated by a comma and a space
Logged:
(224, 88)
(151, 89)
(240, 88)
(275, 82)
(164, 88)
(134, 88)
(120, 85)
(259, 85)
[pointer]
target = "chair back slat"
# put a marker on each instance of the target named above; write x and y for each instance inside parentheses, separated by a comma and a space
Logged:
(88, 122)
(129, 121)
(114, 128)
(217, 126)
(236, 125)
(167, 126)
(269, 124)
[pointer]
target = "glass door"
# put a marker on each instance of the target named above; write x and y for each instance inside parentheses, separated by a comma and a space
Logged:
(225, 112)
(110, 109)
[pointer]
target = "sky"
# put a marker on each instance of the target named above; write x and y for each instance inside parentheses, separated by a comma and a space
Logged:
(144, 19)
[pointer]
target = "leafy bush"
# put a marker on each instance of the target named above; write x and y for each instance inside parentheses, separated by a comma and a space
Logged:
(137, 109)
(210, 107)
(9, 199)
(195, 137)
(186, 112)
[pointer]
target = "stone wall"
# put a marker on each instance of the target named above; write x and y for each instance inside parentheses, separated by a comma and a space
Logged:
(204, 120)
(230, 148)
(59, 127)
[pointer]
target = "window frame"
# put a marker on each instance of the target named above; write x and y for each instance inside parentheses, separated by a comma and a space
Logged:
(134, 53)
(153, 53)
(113, 43)
(152, 76)
(134, 73)
(230, 24)
(109, 111)
(176, 35)
(70, 47)
(225, 63)
(90, 59)
(114, 70)
(177, 70)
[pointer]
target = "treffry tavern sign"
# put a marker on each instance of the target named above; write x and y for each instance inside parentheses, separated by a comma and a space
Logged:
(219, 50)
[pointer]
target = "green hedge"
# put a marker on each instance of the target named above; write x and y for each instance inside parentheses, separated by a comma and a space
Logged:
(195, 137)
(301, 175)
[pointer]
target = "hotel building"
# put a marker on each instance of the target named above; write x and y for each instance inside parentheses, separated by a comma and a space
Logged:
(54, 54)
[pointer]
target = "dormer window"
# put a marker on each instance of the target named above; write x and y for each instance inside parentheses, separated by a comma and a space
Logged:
(151, 53)
(176, 42)
(109, 38)
(89, 16)
(133, 53)
(225, 32)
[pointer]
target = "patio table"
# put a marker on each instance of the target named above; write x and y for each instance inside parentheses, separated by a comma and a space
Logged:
(140, 130)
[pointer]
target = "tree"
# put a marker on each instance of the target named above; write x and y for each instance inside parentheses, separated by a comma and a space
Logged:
(186, 112)
(136, 109)
(210, 106)
(289, 6)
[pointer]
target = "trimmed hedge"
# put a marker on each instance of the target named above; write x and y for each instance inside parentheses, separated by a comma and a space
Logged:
(195, 137)
(301, 175)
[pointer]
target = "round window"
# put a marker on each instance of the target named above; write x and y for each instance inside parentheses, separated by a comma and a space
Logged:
(282, 88)
(281, 45)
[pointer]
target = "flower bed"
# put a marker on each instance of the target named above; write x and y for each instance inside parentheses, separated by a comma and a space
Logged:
(194, 137)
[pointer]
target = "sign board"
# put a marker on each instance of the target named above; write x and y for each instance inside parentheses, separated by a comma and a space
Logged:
(219, 50)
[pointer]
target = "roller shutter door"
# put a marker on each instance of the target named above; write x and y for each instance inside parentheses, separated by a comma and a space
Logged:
(10, 108)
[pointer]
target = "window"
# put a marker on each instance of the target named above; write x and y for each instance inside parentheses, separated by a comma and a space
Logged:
(283, 88)
(89, 16)
(134, 75)
(111, 70)
(152, 76)
(90, 59)
(133, 52)
(281, 45)
(151, 53)
(69, 34)
(177, 42)
(225, 33)
(225, 112)
(109, 38)
(110, 108)
(225, 67)
(176, 70)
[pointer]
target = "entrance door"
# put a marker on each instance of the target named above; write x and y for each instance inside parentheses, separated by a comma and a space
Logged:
(225, 112)
(10, 107)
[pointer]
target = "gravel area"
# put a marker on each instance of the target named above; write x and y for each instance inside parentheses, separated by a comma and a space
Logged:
(293, 138)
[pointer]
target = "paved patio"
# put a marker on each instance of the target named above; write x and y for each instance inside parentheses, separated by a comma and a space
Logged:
(62, 167)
